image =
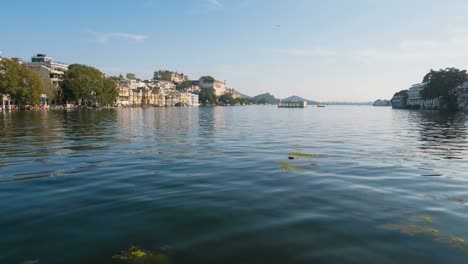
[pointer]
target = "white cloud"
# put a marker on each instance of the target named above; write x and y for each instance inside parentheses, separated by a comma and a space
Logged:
(306, 52)
(105, 37)
(216, 3)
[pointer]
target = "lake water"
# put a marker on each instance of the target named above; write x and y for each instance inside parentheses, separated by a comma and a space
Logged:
(216, 185)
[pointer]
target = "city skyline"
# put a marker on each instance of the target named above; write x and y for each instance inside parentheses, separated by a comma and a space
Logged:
(334, 51)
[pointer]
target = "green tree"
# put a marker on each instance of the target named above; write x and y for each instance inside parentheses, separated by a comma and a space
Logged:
(183, 86)
(88, 85)
(167, 76)
(20, 82)
(441, 82)
(207, 96)
(207, 79)
(131, 76)
(109, 92)
(227, 99)
(50, 90)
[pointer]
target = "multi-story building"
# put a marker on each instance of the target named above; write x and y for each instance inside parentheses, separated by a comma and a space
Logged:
(219, 87)
(166, 85)
(400, 99)
(415, 99)
(461, 92)
(50, 71)
(170, 76)
(193, 100)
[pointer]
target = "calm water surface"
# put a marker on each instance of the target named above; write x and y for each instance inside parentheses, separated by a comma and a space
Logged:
(215, 185)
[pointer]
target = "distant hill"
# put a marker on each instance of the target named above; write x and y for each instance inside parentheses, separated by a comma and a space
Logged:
(265, 98)
(243, 95)
(298, 98)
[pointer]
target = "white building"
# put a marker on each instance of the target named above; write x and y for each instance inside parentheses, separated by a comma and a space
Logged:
(193, 100)
(461, 92)
(414, 95)
(50, 71)
(6, 103)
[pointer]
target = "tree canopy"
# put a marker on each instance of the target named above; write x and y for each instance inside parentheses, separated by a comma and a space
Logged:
(20, 82)
(131, 76)
(89, 85)
(183, 86)
(227, 99)
(207, 79)
(441, 82)
(207, 96)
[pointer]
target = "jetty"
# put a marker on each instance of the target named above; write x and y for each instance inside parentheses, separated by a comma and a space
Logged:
(292, 104)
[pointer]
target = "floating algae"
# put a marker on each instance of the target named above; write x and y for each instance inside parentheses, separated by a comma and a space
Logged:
(428, 219)
(286, 167)
(136, 255)
(300, 154)
(456, 242)
(411, 230)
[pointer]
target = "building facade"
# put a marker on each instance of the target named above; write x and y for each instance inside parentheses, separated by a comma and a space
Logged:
(415, 99)
(50, 71)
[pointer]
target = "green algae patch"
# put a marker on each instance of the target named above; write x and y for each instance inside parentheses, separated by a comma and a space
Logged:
(287, 167)
(455, 242)
(411, 230)
(300, 154)
(136, 255)
(427, 219)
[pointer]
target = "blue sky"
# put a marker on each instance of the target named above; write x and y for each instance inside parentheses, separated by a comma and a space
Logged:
(337, 50)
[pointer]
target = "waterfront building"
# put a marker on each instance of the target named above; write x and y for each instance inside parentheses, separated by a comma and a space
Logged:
(50, 71)
(6, 102)
(193, 100)
(415, 99)
(219, 87)
(382, 103)
(292, 104)
(461, 92)
(399, 100)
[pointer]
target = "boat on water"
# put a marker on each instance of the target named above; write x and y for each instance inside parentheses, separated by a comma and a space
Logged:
(320, 106)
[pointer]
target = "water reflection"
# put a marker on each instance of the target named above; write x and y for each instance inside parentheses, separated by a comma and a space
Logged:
(442, 135)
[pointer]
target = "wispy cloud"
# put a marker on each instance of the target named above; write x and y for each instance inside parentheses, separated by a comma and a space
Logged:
(317, 51)
(104, 37)
(215, 3)
(1, 52)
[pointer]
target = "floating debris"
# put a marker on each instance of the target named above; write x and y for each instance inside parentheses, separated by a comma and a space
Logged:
(458, 200)
(141, 256)
(300, 154)
(431, 196)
